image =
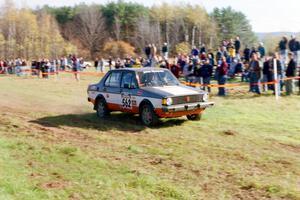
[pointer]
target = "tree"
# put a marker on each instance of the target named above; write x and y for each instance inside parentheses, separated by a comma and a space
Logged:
(89, 28)
(231, 23)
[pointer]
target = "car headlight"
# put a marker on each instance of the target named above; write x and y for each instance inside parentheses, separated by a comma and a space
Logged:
(205, 97)
(167, 101)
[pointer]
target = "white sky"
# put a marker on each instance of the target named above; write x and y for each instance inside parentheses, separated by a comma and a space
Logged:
(264, 15)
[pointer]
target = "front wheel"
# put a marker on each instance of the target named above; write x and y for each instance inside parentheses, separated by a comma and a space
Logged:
(194, 117)
(148, 116)
(101, 108)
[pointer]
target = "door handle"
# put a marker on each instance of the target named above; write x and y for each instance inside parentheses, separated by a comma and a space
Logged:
(104, 89)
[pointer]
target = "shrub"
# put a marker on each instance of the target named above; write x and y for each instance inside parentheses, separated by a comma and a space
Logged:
(183, 48)
(118, 49)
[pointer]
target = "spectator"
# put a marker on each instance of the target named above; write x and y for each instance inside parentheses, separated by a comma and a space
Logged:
(254, 74)
(221, 73)
(237, 46)
(247, 53)
(148, 51)
(253, 51)
(110, 63)
(101, 66)
(294, 48)
(195, 52)
(266, 74)
(175, 69)
(165, 51)
(283, 50)
(290, 72)
(153, 51)
(262, 50)
(219, 55)
(211, 58)
(203, 49)
(96, 64)
(197, 72)
(206, 72)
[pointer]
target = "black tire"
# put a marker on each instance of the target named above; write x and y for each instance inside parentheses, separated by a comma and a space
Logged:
(194, 117)
(101, 108)
(148, 115)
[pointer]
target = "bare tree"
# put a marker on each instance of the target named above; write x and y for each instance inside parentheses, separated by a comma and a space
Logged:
(89, 28)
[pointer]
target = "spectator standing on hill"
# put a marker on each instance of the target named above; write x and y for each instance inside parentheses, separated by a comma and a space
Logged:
(290, 72)
(221, 73)
(261, 49)
(237, 46)
(254, 74)
(206, 72)
(195, 52)
(165, 51)
(266, 74)
(101, 66)
(294, 47)
(283, 50)
(219, 55)
(96, 64)
(110, 63)
(197, 72)
(175, 69)
(247, 53)
(153, 51)
(202, 49)
(148, 51)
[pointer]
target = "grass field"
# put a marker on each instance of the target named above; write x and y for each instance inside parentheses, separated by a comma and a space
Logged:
(52, 146)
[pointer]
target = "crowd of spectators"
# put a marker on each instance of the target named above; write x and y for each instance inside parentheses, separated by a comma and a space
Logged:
(200, 67)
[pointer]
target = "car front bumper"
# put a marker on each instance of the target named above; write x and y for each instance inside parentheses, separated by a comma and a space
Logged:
(183, 109)
(188, 107)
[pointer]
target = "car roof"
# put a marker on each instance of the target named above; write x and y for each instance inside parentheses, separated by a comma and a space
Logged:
(143, 69)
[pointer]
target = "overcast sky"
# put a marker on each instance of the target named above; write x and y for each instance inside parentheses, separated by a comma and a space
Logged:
(264, 15)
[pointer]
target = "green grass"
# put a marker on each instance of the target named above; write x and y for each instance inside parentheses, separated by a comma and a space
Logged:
(52, 146)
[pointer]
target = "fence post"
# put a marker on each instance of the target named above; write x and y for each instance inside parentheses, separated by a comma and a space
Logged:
(276, 79)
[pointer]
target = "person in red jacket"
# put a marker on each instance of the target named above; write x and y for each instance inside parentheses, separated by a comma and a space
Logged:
(221, 75)
(175, 69)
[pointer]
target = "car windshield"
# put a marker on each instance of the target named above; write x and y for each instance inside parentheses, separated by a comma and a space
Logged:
(157, 78)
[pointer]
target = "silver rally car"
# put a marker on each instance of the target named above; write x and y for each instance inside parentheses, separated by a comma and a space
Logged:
(152, 93)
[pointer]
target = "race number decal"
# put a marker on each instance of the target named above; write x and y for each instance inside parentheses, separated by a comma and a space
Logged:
(126, 102)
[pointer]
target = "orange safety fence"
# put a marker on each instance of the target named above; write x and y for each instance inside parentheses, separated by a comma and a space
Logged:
(228, 85)
(62, 71)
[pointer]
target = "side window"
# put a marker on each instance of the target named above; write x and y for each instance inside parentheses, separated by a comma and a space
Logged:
(129, 80)
(113, 80)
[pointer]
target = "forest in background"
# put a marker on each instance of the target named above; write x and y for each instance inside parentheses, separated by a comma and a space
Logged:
(117, 29)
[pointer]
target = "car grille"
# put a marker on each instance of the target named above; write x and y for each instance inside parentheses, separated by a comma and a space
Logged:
(187, 99)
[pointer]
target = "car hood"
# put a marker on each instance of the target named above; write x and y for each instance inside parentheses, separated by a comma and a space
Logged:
(170, 91)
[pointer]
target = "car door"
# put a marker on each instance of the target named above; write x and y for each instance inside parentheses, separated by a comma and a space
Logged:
(129, 89)
(112, 90)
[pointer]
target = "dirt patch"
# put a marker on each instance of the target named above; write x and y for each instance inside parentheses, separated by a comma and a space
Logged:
(230, 132)
(54, 185)
(291, 147)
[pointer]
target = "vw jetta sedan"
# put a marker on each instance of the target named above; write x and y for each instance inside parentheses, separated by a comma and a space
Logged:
(152, 93)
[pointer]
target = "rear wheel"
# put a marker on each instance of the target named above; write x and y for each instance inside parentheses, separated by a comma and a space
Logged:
(194, 117)
(148, 115)
(101, 108)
